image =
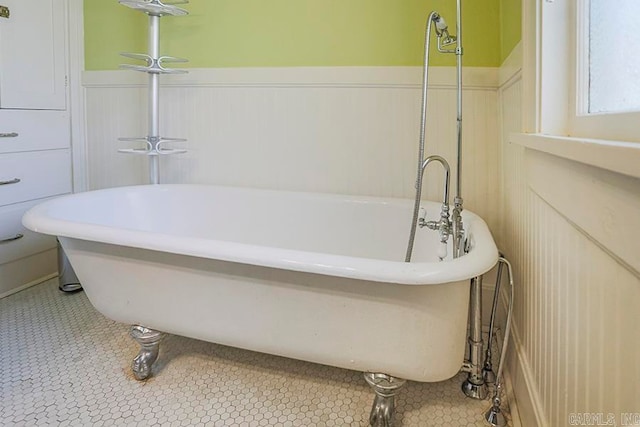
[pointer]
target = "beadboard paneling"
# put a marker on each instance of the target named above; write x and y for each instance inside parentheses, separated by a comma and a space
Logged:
(112, 113)
(339, 135)
(576, 338)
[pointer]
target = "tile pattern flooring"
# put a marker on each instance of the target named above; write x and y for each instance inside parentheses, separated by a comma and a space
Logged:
(62, 363)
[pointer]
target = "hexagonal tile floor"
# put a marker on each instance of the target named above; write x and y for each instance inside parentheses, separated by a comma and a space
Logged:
(62, 363)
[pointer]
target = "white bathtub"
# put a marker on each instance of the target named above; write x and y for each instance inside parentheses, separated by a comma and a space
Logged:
(314, 277)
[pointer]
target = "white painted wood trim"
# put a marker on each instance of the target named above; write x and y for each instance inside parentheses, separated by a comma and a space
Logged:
(616, 156)
(511, 67)
(579, 66)
(556, 39)
(76, 94)
(530, 409)
(28, 285)
(609, 214)
(531, 24)
(482, 78)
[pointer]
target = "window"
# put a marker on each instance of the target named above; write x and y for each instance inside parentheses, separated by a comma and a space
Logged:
(613, 56)
(563, 112)
(604, 98)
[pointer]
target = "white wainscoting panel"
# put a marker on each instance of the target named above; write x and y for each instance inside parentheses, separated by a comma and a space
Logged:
(110, 114)
(352, 131)
(576, 336)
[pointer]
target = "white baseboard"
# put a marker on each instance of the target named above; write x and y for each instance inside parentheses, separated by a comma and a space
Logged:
(523, 385)
(508, 390)
(28, 285)
(20, 274)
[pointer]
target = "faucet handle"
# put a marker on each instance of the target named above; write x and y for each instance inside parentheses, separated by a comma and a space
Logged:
(423, 213)
(442, 251)
(422, 222)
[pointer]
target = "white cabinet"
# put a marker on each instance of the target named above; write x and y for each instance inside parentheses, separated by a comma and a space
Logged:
(32, 55)
(35, 140)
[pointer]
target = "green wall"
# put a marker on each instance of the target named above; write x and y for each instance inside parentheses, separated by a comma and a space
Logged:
(281, 33)
(510, 26)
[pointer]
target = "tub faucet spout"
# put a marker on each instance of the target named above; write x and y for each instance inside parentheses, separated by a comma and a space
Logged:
(442, 226)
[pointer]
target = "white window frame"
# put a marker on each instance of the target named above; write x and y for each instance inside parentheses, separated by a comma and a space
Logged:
(551, 122)
(558, 32)
(619, 126)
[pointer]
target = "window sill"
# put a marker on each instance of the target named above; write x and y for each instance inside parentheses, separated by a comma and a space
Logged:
(616, 156)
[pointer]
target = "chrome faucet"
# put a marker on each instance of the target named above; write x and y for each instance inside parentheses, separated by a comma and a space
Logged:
(444, 225)
(457, 228)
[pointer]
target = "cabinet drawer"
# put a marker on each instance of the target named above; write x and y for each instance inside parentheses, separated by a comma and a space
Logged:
(29, 130)
(34, 175)
(13, 247)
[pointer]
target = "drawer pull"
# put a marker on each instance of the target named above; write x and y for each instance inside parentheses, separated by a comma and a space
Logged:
(13, 181)
(9, 135)
(12, 239)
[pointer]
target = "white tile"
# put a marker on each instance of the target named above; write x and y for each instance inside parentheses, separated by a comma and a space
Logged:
(59, 340)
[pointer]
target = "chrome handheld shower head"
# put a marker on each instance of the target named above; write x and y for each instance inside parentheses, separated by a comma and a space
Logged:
(441, 24)
(442, 31)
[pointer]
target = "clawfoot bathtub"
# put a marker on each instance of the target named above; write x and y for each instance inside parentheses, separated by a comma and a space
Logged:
(314, 277)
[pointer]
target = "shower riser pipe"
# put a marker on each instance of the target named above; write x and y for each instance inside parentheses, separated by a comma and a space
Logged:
(456, 215)
(459, 51)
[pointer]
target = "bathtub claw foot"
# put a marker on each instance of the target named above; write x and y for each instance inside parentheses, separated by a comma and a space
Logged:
(149, 341)
(386, 387)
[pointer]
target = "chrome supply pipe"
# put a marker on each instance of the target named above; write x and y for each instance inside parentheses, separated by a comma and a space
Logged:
(456, 216)
(474, 386)
(487, 370)
(459, 52)
(154, 99)
(494, 415)
(447, 172)
(443, 225)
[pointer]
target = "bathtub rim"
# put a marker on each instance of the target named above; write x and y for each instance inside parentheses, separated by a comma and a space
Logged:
(481, 259)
